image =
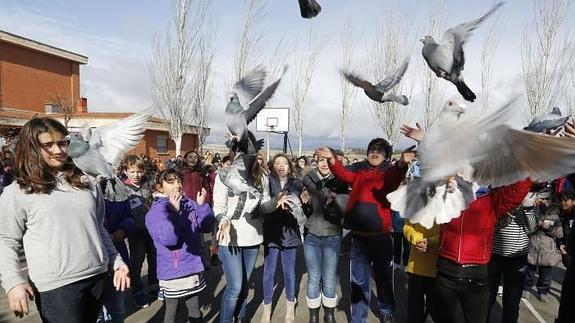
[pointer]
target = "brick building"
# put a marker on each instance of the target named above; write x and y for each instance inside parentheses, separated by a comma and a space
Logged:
(37, 79)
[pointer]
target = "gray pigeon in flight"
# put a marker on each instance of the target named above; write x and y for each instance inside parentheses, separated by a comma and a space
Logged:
(447, 59)
(309, 8)
(99, 151)
(378, 92)
(248, 94)
(547, 121)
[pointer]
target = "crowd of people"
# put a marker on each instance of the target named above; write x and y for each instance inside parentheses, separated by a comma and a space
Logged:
(83, 252)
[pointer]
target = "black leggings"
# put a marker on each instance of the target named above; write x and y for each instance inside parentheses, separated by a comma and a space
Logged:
(192, 303)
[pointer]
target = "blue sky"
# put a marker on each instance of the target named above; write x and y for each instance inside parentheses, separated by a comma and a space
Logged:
(117, 38)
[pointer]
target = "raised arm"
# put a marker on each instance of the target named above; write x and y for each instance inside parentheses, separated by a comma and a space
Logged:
(507, 198)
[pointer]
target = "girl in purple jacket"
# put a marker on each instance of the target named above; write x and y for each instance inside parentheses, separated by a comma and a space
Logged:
(176, 224)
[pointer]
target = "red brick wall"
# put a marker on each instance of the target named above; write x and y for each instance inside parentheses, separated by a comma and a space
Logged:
(29, 78)
(149, 144)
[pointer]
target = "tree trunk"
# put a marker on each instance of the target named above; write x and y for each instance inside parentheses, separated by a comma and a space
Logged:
(178, 141)
(300, 139)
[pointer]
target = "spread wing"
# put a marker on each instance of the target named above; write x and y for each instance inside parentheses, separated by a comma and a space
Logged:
(518, 154)
(358, 81)
(392, 80)
(259, 102)
(250, 85)
(450, 145)
(113, 140)
(454, 38)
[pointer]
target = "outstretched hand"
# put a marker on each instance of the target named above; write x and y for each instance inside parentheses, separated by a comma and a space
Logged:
(569, 130)
(282, 201)
(416, 134)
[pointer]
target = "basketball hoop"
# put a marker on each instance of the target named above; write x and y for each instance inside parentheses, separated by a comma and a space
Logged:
(271, 124)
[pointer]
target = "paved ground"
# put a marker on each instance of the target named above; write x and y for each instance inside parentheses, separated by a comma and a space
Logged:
(531, 310)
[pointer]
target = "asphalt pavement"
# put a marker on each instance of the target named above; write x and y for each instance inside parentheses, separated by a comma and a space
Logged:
(531, 310)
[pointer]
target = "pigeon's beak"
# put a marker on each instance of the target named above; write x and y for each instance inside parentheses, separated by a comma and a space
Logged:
(460, 108)
(422, 40)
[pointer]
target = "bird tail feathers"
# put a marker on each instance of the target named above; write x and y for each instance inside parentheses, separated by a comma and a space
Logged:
(465, 90)
(309, 8)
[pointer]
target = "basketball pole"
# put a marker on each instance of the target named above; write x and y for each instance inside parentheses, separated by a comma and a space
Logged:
(267, 146)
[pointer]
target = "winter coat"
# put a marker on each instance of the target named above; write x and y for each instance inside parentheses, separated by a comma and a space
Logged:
(544, 250)
(468, 239)
(422, 263)
(326, 219)
(281, 228)
(398, 222)
(140, 197)
(568, 224)
(178, 236)
(193, 183)
(368, 209)
(118, 216)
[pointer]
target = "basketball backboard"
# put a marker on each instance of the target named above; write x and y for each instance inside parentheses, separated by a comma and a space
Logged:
(273, 119)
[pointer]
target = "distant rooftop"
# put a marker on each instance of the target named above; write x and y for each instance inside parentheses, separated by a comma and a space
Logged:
(41, 47)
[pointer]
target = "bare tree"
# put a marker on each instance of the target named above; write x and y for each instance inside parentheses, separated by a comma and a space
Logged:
(348, 91)
(545, 57)
(202, 85)
(172, 67)
(387, 52)
(303, 73)
(249, 41)
(490, 44)
(433, 88)
(63, 104)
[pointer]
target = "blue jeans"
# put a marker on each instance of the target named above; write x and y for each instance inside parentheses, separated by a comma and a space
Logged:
(371, 253)
(321, 257)
(238, 264)
(271, 255)
(77, 302)
(113, 310)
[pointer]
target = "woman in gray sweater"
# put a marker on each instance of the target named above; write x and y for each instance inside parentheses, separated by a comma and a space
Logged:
(57, 214)
(322, 239)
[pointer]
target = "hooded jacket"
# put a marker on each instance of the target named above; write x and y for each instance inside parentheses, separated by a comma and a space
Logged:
(468, 239)
(368, 209)
(178, 236)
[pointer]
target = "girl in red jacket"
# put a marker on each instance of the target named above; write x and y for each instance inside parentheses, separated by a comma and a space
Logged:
(464, 251)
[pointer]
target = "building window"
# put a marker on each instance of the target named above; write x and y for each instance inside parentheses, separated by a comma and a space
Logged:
(162, 144)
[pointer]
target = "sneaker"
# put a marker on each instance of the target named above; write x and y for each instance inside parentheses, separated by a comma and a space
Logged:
(500, 291)
(161, 296)
(543, 298)
(526, 294)
(141, 299)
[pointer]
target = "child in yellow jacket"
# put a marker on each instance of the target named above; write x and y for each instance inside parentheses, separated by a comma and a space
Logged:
(421, 268)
